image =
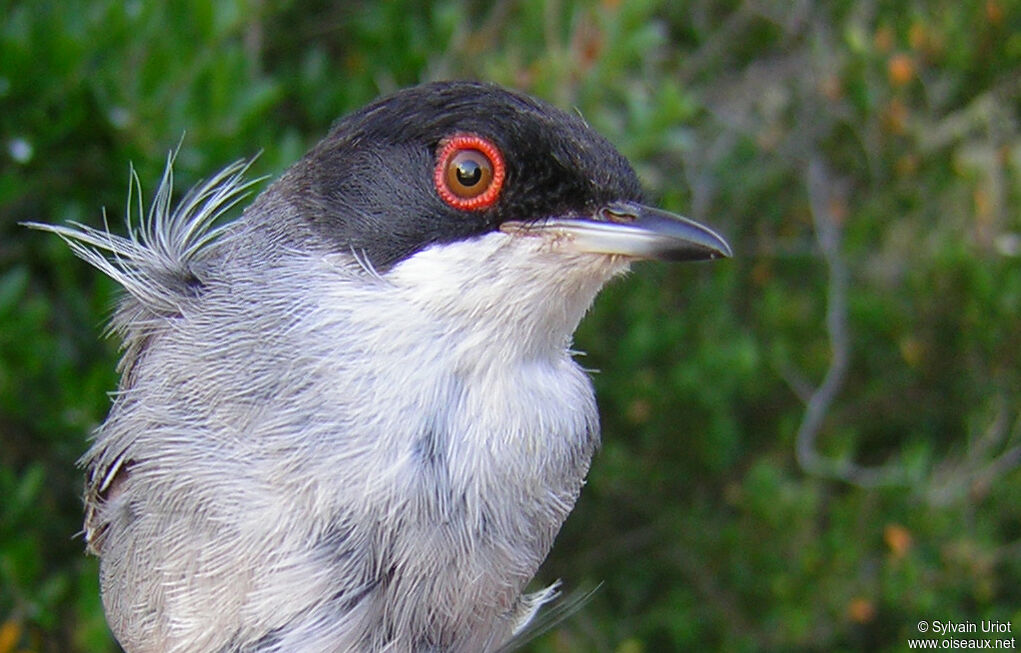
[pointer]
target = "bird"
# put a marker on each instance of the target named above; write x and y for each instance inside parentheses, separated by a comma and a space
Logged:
(350, 419)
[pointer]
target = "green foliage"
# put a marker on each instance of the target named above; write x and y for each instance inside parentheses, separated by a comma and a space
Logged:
(864, 160)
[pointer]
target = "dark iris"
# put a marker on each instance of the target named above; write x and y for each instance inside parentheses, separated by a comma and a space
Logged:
(469, 172)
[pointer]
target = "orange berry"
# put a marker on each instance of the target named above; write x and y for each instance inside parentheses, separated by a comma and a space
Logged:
(994, 12)
(900, 69)
(898, 539)
(861, 610)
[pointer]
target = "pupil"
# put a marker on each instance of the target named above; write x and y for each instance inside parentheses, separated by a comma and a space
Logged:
(469, 173)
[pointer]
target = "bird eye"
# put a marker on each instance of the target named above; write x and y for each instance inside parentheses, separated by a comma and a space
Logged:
(469, 172)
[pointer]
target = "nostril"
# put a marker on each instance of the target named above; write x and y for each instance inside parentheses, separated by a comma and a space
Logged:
(617, 214)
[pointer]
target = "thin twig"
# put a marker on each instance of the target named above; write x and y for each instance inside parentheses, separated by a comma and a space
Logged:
(829, 237)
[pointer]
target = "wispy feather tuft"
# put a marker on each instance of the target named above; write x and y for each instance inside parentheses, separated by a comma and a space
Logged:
(156, 262)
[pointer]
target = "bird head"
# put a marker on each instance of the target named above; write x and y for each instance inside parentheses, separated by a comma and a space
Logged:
(448, 161)
(486, 203)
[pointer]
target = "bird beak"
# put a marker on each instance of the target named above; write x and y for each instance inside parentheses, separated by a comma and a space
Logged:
(632, 230)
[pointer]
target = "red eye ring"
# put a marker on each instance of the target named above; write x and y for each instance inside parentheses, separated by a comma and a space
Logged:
(469, 172)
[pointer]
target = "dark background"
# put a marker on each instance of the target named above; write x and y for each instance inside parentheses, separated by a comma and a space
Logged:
(810, 447)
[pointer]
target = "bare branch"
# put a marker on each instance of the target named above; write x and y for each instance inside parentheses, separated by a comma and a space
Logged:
(821, 189)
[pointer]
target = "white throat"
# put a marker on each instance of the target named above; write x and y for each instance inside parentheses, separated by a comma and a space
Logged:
(513, 296)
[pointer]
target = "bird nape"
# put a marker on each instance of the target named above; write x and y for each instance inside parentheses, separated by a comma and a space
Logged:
(349, 420)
